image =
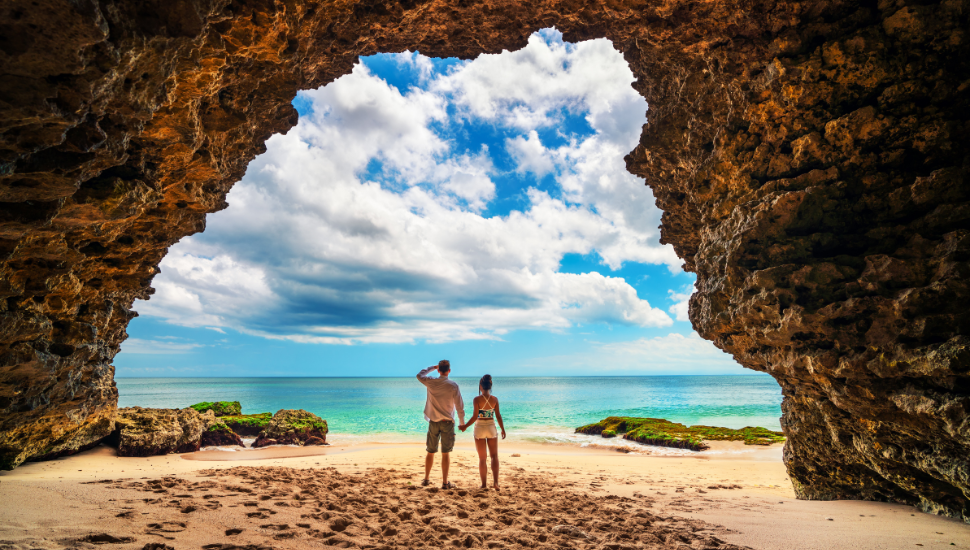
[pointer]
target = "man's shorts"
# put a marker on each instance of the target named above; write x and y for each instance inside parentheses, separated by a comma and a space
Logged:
(443, 430)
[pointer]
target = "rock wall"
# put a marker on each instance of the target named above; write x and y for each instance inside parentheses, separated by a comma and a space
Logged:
(810, 158)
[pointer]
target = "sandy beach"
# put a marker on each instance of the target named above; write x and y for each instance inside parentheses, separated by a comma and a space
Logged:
(368, 496)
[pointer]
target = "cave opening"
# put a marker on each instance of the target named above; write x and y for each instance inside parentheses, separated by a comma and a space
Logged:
(479, 209)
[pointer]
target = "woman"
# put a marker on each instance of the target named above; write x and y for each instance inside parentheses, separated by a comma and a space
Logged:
(486, 412)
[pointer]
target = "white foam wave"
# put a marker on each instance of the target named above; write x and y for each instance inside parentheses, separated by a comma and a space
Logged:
(552, 435)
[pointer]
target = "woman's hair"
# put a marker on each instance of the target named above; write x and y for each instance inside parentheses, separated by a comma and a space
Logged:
(486, 383)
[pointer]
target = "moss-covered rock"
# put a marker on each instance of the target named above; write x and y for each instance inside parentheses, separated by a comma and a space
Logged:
(248, 425)
(657, 431)
(151, 432)
(293, 427)
(221, 408)
(220, 435)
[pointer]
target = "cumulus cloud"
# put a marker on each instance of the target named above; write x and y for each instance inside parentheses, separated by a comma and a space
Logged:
(681, 301)
(368, 223)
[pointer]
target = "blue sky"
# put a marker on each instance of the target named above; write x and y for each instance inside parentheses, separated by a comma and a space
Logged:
(425, 209)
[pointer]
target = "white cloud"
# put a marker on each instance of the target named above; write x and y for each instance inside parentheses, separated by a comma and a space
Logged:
(530, 154)
(157, 347)
(681, 307)
(367, 223)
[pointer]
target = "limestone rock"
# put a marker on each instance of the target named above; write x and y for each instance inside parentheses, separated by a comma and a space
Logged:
(220, 408)
(293, 427)
(220, 435)
(151, 432)
(249, 425)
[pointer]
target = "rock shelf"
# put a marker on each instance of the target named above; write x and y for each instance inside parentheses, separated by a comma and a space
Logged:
(657, 431)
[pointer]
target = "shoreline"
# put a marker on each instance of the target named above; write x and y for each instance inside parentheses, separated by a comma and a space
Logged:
(718, 449)
(744, 499)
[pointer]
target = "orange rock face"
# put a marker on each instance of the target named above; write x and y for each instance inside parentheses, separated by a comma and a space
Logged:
(810, 157)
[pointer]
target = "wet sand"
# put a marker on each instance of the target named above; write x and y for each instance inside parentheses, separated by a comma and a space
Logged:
(369, 496)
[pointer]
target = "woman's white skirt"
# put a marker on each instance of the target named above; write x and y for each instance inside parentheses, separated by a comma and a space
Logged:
(485, 429)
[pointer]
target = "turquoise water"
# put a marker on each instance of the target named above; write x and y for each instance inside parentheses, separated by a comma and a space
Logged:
(539, 408)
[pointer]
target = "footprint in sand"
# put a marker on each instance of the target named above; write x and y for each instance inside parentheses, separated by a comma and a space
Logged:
(105, 538)
(340, 524)
(231, 532)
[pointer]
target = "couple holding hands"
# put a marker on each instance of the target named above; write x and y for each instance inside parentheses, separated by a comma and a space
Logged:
(444, 399)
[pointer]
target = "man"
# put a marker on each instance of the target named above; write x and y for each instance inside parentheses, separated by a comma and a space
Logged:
(444, 399)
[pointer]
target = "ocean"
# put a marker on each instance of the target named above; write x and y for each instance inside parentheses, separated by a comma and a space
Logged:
(535, 409)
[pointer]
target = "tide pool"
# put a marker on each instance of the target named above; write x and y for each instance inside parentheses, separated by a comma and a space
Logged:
(534, 408)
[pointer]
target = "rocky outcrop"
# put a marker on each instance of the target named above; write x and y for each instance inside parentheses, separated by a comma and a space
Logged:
(249, 425)
(826, 216)
(220, 435)
(220, 408)
(151, 432)
(664, 433)
(810, 157)
(293, 427)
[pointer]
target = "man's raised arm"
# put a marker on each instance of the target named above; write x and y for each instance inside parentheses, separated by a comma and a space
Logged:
(423, 375)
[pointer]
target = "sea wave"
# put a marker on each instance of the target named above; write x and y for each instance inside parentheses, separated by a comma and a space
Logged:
(553, 435)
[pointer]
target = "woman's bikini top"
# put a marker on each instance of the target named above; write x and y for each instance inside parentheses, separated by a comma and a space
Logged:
(487, 414)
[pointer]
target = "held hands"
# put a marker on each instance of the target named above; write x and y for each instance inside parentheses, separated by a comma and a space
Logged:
(463, 427)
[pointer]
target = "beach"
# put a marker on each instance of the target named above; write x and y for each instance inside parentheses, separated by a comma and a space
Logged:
(369, 496)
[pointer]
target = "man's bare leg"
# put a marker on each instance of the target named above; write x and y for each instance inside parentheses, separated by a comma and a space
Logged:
(445, 463)
(428, 463)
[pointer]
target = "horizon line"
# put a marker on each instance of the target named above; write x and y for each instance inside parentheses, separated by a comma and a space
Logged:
(755, 373)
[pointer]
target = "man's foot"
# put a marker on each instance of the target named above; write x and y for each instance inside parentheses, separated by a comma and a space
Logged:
(426, 482)
(448, 485)
(497, 488)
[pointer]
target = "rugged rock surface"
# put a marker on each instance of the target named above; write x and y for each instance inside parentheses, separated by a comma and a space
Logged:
(249, 425)
(293, 427)
(811, 159)
(829, 226)
(220, 435)
(151, 432)
(220, 408)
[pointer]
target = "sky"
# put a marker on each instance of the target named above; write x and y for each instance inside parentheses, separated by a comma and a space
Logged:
(425, 209)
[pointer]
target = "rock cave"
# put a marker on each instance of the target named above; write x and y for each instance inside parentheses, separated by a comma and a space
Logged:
(811, 159)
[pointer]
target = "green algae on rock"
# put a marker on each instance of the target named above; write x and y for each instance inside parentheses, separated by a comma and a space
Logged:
(293, 427)
(220, 435)
(657, 431)
(248, 424)
(221, 408)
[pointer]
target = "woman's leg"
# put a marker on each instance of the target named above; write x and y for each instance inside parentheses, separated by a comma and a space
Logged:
(492, 450)
(482, 467)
